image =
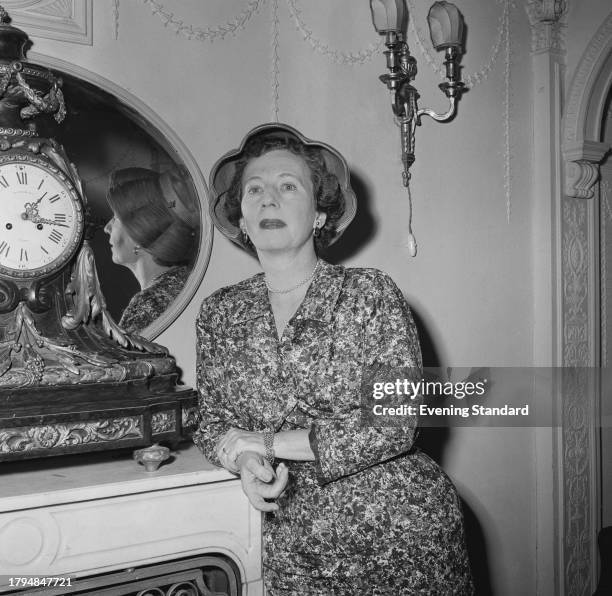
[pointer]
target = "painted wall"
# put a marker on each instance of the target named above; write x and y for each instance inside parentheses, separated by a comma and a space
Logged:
(471, 285)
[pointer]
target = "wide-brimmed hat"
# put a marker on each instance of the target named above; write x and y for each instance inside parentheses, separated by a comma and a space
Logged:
(222, 175)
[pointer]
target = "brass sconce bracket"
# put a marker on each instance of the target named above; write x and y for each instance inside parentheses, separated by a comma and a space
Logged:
(446, 27)
(402, 68)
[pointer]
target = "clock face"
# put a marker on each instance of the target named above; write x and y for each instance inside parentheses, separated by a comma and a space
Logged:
(41, 217)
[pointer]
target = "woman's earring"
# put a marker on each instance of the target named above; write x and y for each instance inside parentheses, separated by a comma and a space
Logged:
(243, 231)
(316, 228)
(136, 249)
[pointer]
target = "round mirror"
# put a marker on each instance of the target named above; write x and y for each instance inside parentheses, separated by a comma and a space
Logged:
(107, 129)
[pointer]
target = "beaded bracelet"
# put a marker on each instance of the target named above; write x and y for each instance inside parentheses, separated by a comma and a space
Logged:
(268, 438)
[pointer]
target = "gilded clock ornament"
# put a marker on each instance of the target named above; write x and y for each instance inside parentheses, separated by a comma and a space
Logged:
(64, 362)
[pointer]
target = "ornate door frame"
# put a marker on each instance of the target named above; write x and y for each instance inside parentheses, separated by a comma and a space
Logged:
(567, 154)
(578, 323)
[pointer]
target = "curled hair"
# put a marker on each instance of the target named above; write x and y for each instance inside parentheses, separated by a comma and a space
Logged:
(328, 195)
(139, 202)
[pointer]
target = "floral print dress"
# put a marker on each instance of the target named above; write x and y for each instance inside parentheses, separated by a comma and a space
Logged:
(148, 304)
(371, 515)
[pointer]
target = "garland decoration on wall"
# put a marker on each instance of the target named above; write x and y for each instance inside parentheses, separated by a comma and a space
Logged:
(275, 60)
(337, 56)
(237, 23)
(506, 102)
(205, 33)
(231, 27)
(116, 18)
(502, 38)
(474, 79)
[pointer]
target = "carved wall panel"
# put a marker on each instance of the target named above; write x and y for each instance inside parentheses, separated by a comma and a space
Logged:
(590, 65)
(62, 20)
(578, 397)
(546, 18)
(578, 481)
(580, 313)
(582, 149)
(575, 265)
(570, 185)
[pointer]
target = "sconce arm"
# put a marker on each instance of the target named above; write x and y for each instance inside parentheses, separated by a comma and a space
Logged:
(452, 110)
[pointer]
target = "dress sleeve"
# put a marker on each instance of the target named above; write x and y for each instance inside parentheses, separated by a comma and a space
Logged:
(390, 348)
(215, 414)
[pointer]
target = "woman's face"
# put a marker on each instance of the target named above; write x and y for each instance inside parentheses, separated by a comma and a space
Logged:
(278, 206)
(122, 245)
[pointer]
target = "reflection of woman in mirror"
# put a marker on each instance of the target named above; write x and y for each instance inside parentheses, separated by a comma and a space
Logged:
(153, 232)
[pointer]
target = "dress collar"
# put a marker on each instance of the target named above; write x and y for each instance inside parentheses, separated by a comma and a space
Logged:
(322, 294)
(318, 304)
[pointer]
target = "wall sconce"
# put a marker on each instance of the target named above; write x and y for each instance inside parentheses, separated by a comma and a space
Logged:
(446, 29)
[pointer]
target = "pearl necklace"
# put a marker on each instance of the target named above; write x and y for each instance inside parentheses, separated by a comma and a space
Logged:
(299, 285)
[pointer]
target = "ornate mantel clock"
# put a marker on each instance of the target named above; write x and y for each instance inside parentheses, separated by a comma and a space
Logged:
(70, 379)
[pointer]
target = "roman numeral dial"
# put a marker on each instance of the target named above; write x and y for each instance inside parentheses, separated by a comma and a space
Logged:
(41, 217)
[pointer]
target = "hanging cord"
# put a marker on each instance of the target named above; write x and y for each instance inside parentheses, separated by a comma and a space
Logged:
(411, 243)
(407, 125)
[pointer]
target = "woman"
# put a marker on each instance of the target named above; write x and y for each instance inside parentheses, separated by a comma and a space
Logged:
(153, 232)
(284, 359)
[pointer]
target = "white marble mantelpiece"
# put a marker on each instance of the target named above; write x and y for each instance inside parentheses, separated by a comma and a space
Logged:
(88, 514)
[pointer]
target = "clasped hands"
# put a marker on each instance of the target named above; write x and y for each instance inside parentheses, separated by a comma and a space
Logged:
(243, 452)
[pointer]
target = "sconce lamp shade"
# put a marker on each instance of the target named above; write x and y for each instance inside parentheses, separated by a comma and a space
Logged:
(388, 15)
(445, 25)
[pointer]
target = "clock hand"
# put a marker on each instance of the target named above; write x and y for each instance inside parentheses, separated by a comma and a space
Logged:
(36, 219)
(31, 209)
(37, 202)
(41, 197)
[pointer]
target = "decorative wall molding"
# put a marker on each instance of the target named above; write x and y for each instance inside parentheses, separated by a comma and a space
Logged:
(116, 18)
(582, 161)
(550, 10)
(575, 271)
(578, 481)
(605, 237)
(578, 400)
(206, 32)
(591, 65)
(61, 20)
(212, 33)
(337, 56)
(547, 24)
(275, 60)
(580, 314)
(507, 87)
